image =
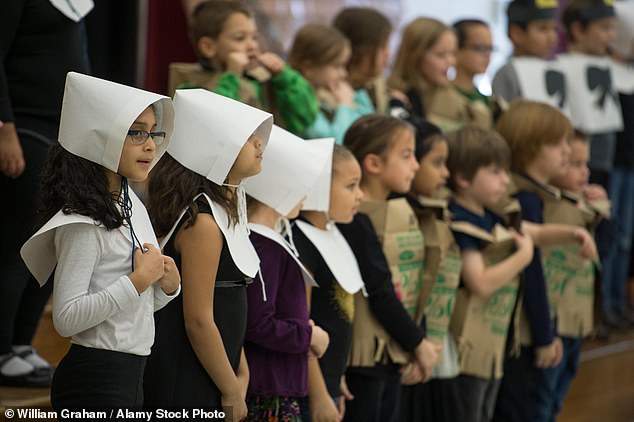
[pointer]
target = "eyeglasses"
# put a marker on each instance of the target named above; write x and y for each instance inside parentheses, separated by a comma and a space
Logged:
(480, 48)
(139, 137)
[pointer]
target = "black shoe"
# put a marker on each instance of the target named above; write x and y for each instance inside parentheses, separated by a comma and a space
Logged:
(603, 332)
(44, 371)
(613, 319)
(29, 380)
(626, 318)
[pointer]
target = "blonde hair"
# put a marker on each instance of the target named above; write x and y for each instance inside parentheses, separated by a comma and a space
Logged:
(529, 125)
(316, 45)
(418, 37)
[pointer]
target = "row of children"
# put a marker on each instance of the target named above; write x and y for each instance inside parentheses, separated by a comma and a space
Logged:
(448, 296)
(335, 75)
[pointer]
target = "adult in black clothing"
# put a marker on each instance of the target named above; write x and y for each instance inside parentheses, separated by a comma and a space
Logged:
(39, 44)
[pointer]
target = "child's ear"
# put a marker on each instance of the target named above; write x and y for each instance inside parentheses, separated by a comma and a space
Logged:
(460, 181)
(516, 33)
(207, 47)
(576, 31)
(372, 164)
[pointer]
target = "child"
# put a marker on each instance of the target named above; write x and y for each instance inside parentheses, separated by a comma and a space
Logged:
(436, 399)
(321, 53)
(109, 275)
(564, 270)
(279, 334)
(493, 255)
(384, 331)
(532, 29)
(537, 135)
(328, 256)
(368, 31)
(197, 204)
(231, 64)
(475, 46)
(590, 26)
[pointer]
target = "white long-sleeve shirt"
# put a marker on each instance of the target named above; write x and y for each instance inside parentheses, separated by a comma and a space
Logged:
(94, 301)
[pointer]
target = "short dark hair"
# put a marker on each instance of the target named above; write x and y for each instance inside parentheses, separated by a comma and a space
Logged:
(462, 26)
(471, 148)
(209, 17)
(584, 12)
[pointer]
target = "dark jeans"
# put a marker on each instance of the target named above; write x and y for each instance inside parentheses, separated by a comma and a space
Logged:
(556, 381)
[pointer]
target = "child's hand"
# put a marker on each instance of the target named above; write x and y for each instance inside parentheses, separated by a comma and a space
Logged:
(323, 409)
(148, 267)
(594, 192)
(345, 395)
(234, 406)
(588, 247)
(272, 62)
(236, 62)
(524, 244)
(549, 356)
(343, 92)
(427, 355)
(411, 374)
(171, 277)
(319, 340)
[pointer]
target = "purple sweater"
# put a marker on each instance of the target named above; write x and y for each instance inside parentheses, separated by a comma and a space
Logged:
(278, 334)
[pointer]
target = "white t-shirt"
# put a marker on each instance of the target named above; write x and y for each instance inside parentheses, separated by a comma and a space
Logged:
(94, 301)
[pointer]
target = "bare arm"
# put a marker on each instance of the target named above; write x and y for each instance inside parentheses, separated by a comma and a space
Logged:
(484, 281)
(200, 246)
(557, 234)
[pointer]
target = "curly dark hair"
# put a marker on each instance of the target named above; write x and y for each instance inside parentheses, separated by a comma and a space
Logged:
(172, 187)
(76, 186)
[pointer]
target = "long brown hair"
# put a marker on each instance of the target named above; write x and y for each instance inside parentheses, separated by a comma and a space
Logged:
(172, 187)
(316, 45)
(419, 36)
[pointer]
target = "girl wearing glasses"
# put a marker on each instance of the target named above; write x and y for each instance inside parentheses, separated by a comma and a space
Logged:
(98, 243)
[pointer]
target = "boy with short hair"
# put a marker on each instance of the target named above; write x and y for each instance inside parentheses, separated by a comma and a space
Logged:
(537, 135)
(532, 28)
(492, 256)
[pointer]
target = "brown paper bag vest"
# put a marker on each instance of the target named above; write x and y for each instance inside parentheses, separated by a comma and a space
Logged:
(567, 275)
(397, 228)
(441, 275)
(450, 110)
(480, 325)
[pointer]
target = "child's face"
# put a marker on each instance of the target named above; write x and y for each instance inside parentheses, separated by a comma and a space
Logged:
(399, 165)
(438, 59)
(136, 160)
(576, 177)
(539, 39)
(249, 161)
(488, 186)
(474, 57)
(345, 193)
(239, 35)
(330, 74)
(432, 173)
(552, 159)
(597, 37)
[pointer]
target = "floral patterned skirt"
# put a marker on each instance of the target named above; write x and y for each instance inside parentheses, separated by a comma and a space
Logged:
(275, 409)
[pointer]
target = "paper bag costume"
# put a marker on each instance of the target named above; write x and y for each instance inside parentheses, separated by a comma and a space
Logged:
(480, 325)
(96, 117)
